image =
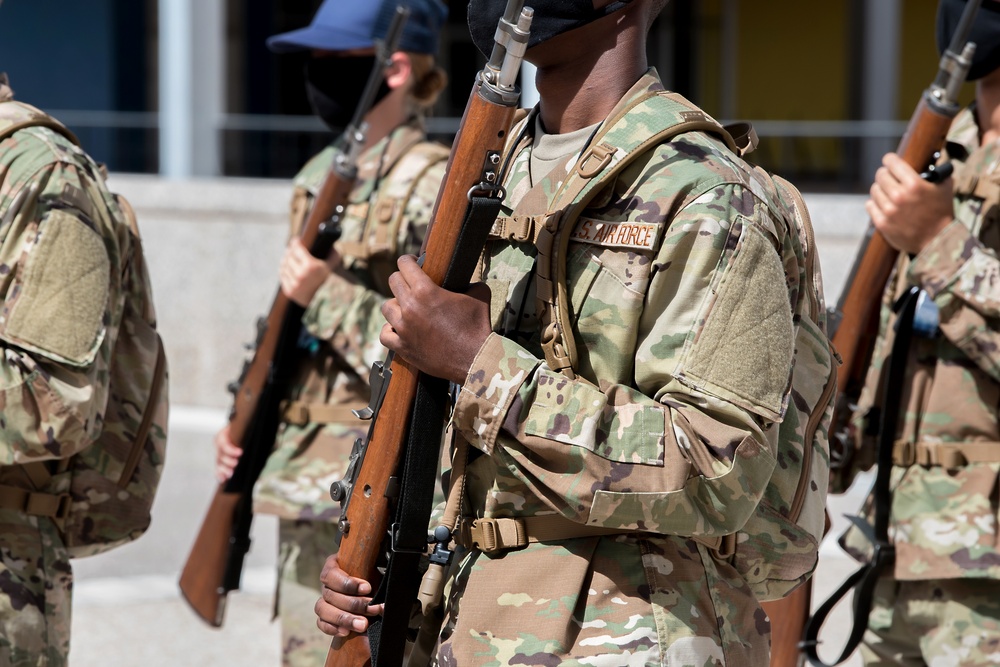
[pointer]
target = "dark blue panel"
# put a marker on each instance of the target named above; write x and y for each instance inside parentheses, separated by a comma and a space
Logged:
(59, 53)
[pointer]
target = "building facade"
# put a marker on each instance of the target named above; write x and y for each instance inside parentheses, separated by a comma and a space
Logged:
(186, 88)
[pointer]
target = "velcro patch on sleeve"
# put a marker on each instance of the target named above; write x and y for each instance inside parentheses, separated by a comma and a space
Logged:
(628, 235)
(744, 352)
(59, 308)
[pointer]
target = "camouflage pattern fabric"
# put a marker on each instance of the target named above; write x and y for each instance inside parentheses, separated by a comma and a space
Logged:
(947, 623)
(635, 442)
(53, 387)
(304, 547)
(343, 322)
(402, 174)
(35, 593)
(944, 520)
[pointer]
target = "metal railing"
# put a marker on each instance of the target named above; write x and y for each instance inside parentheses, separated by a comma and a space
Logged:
(856, 129)
(254, 144)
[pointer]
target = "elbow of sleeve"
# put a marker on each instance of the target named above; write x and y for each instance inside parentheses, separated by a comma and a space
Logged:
(703, 506)
(725, 503)
(44, 425)
(735, 516)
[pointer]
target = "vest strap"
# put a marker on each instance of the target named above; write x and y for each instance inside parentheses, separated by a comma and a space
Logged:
(495, 535)
(945, 454)
(506, 533)
(35, 503)
(517, 228)
(300, 413)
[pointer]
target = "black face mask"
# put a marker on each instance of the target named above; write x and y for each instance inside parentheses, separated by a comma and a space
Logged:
(985, 33)
(335, 84)
(552, 17)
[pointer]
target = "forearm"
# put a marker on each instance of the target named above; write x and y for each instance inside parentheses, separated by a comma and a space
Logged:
(687, 464)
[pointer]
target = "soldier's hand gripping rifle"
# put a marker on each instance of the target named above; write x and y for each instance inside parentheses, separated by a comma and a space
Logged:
(402, 427)
(215, 563)
(855, 322)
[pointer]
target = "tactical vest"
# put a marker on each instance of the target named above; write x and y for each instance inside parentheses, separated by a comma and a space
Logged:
(371, 254)
(375, 250)
(113, 481)
(778, 547)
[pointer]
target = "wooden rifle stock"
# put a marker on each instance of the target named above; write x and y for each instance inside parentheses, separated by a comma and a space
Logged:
(367, 516)
(854, 323)
(861, 298)
(215, 563)
(791, 613)
(473, 169)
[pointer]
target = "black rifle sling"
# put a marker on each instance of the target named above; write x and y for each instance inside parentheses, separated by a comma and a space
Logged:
(259, 442)
(408, 539)
(263, 430)
(884, 554)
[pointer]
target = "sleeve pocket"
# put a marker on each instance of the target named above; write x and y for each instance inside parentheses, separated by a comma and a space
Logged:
(621, 426)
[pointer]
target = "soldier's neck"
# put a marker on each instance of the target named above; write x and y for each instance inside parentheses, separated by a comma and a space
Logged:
(385, 117)
(580, 84)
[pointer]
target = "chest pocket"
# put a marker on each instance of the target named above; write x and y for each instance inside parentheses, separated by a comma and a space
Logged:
(607, 276)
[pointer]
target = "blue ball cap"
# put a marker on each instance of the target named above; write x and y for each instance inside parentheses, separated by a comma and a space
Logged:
(356, 24)
(420, 33)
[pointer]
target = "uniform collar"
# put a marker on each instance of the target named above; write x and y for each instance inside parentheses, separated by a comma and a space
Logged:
(526, 198)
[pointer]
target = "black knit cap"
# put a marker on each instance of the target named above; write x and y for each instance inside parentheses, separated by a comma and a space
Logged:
(985, 33)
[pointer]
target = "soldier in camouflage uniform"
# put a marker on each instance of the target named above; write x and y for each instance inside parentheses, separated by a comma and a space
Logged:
(389, 209)
(63, 243)
(680, 277)
(941, 603)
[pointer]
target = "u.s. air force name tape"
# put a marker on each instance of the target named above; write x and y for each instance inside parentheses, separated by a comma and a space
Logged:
(632, 235)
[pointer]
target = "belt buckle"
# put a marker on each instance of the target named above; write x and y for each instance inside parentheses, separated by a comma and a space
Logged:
(295, 413)
(65, 502)
(483, 535)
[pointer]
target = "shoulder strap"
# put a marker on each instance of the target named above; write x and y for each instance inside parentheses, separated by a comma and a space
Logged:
(17, 116)
(666, 115)
(381, 233)
(400, 192)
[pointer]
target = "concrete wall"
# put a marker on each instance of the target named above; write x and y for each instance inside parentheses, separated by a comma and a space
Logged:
(213, 248)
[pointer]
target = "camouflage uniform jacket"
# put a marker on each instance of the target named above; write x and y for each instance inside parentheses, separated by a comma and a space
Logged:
(61, 260)
(388, 213)
(61, 257)
(944, 503)
(653, 435)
